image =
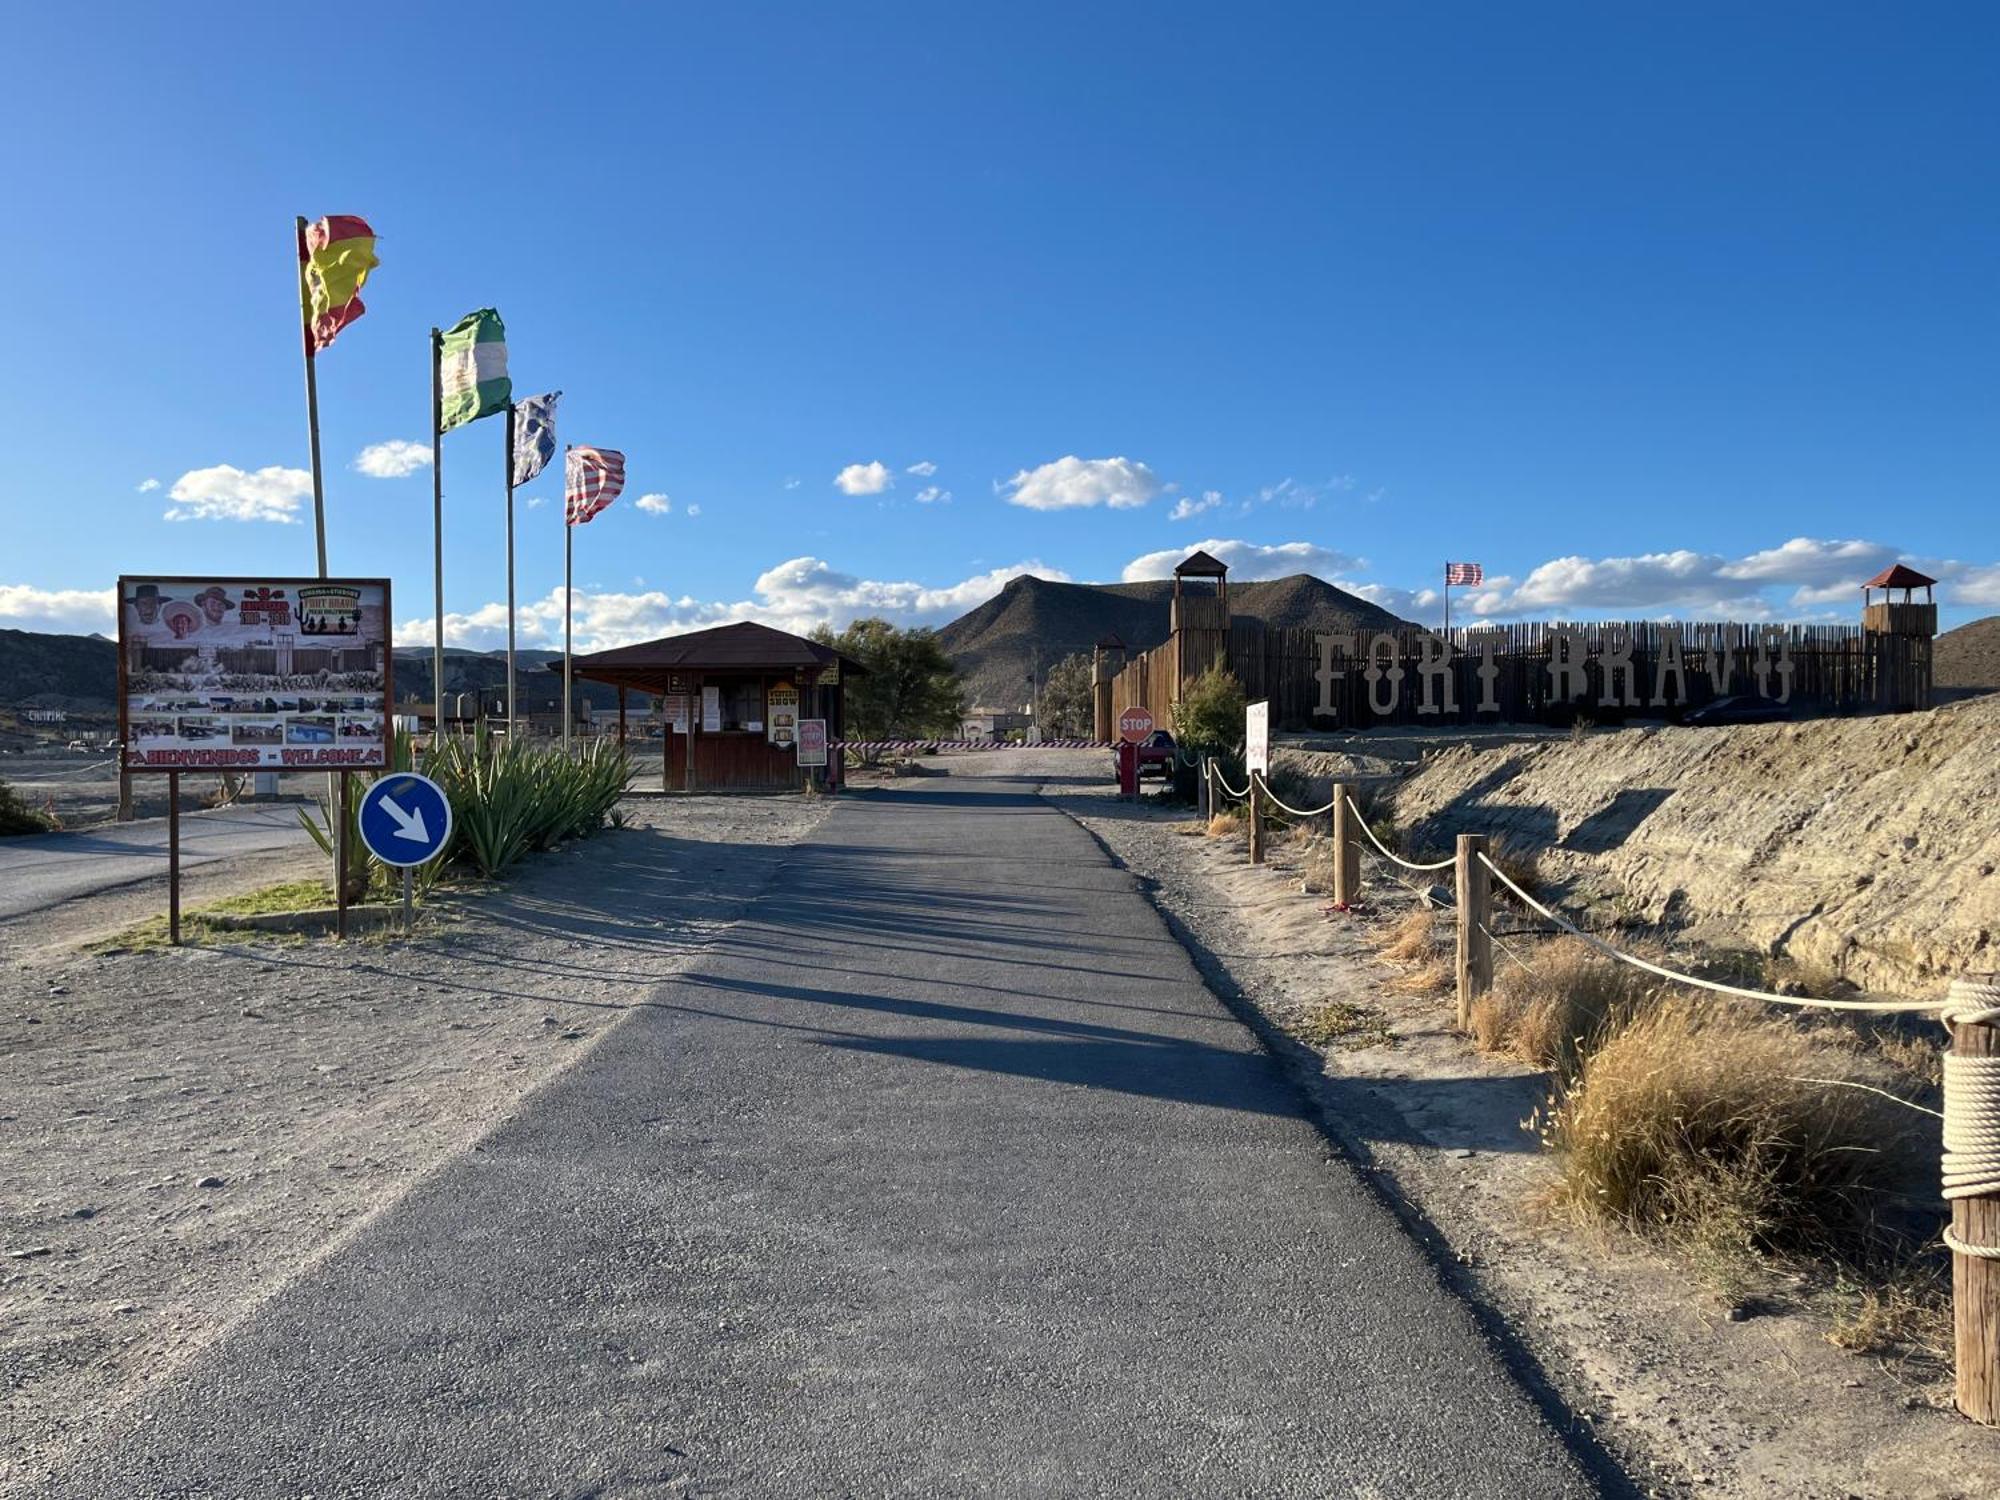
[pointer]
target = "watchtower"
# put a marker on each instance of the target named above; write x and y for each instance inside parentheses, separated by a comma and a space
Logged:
(1897, 635)
(1200, 619)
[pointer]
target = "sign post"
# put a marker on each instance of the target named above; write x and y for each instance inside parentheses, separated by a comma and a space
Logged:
(405, 822)
(1135, 726)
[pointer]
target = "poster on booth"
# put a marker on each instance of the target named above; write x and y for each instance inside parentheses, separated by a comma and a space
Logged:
(781, 714)
(711, 709)
(247, 674)
(812, 742)
(1257, 737)
(674, 709)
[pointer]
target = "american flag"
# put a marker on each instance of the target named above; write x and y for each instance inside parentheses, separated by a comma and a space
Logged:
(592, 479)
(1463, 575)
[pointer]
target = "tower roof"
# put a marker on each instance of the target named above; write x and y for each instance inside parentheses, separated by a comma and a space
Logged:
(1199, 564)
(1897, 576)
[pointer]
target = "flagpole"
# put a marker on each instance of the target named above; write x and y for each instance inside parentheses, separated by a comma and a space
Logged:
(510, 570)
(1447, 601)
(312, 396)
(569, 534)
(437, 535)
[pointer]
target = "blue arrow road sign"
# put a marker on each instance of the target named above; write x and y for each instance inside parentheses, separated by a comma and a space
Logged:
(405, 819)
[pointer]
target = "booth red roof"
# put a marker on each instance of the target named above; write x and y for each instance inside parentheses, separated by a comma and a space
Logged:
(742, 647)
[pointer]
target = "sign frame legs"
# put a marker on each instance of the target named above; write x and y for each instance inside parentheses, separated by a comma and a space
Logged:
(174, 858)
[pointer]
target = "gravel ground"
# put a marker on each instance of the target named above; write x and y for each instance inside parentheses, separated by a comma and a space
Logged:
(1707, 1406)
(182, 1132)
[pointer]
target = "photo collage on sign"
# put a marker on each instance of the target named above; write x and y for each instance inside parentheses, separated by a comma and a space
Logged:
(254, 675)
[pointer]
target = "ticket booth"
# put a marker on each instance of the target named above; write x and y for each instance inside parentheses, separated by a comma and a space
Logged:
(730, 700)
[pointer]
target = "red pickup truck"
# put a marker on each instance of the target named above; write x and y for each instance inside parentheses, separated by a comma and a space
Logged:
(1156, 755)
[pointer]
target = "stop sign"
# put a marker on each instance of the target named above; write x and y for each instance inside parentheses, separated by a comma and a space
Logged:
(1135, 724)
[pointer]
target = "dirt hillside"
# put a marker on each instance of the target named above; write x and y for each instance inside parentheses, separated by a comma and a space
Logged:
(1968, 659)
(1864, 846)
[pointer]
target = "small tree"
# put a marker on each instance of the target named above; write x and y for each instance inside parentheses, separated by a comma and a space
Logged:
(1208, 721)
(16, 816)
(910, 689)
(1068, 709)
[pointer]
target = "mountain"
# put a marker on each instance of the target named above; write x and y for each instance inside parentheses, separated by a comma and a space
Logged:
(80, 673)
(1967, 660)
(1032, 624)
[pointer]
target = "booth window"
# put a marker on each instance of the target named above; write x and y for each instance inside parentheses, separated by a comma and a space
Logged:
(742, 702)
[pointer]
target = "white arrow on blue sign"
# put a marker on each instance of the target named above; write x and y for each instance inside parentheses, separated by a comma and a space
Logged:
(405, 819)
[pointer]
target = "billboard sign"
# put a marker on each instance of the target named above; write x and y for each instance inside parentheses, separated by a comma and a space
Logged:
(246, 674)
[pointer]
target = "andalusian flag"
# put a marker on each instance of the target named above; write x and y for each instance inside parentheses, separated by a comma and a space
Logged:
(472, 370)
(339, 252)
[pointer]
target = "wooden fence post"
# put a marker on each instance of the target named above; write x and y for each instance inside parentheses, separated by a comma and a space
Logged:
(1975, 1220)
(1475, 917)
(1207, 800)
(1346, 849)
(1256, 821)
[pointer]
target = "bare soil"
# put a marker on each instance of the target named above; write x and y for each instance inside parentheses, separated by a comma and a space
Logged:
(183, 1131)
(1691, 1402)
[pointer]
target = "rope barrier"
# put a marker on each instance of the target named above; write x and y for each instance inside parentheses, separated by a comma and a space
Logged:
(1877, 1007)
(1972, 1108)
(1296, 812)
(1443, 864)
(1223, 782)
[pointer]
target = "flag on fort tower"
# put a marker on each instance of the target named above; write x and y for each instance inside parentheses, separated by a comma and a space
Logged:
(1463, 575)
(592, 479)
(472, 370)
(339, 252)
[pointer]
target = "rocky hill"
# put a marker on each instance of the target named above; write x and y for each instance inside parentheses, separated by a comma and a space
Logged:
(80, 673)
(1967, 660)
(1033, 624)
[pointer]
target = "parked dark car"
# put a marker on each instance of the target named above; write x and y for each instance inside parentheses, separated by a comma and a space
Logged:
(1740, 710)
(1156, 755)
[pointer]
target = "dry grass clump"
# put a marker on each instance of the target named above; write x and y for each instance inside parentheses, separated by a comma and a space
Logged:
(1906, 1317)
(1550, 1011)
(1520, 864)
(1432, 977)
(1223, 825)
(1414, 939)
(1693, 1120)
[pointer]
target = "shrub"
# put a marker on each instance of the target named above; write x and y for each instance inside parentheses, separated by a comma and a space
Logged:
(1547, 1009)
(1520, 864)
(509, 798)
(1414, 939)
(1707, 1123)
(1208, 720)
(16, 816)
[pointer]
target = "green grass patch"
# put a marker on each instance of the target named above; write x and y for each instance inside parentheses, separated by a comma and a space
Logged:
(1344, 1026)
(196, 923)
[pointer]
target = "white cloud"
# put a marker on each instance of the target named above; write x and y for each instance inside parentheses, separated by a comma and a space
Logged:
(864, 479)
(1188, 507)
(1247, 560)
(536, 502)
(396, 459)
(693, 510)
(64, 611)
(147, 486)
(923, 468)
(1810, 562)
(654, 505)
(1071, 483)
(930, 494)
(795, 595)
(792, 482)
(227, 493)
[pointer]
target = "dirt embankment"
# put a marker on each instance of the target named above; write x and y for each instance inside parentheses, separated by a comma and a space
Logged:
(1863, 846)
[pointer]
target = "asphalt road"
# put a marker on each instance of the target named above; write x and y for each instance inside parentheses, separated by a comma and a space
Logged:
(45, 870)
(941, 1174)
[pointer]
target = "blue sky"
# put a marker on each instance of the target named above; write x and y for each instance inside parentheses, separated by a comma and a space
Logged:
(1651, 309)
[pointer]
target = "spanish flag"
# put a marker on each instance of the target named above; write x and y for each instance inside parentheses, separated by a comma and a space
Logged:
(339, 252)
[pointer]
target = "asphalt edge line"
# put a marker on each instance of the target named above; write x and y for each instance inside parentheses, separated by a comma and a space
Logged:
(1303, 1069)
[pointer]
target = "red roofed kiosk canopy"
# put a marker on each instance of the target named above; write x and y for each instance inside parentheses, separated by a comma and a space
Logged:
(1898, 576)
(730, 701)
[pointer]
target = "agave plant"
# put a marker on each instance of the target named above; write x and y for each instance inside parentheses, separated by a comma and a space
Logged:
(509, 798)
(362, 867)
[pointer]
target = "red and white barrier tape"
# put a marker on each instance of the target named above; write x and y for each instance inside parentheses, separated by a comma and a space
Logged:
(865, 745)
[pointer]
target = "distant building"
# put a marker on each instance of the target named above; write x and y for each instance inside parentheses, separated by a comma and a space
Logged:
(994, 723)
